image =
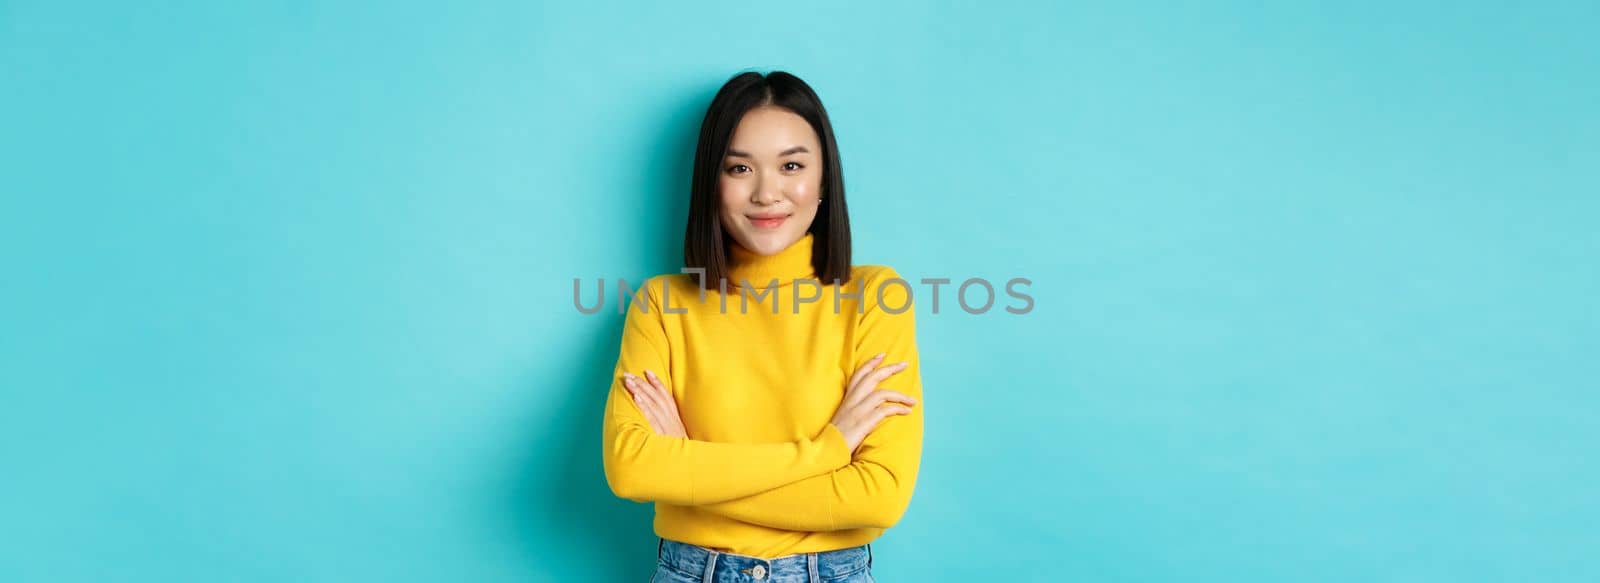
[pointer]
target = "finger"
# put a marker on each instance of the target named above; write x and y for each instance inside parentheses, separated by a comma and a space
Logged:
(657, 421)
(672, 421)
(881, 413)
(665, 412)
(877, 376)
(646, 400)
(865, 368)
(886, 371)
(627, 383)
(665, 395)
(645, 407)
(895, 396)
(650, 417)
(665, 407)
(651, 394)
(669, 409)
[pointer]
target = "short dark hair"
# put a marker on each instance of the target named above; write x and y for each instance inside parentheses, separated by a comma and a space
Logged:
(704, 241)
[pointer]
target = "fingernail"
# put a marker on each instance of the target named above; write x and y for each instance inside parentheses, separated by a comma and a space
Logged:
(905, 363)
(878, 357)
(649, 374)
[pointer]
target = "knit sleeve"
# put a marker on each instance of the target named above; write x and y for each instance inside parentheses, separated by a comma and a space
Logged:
(874, 489)
(644, 466)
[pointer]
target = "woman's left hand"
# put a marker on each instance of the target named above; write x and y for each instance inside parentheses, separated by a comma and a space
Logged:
(657, 403)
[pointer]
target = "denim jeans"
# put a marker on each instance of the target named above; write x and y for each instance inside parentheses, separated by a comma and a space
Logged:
(678, 562)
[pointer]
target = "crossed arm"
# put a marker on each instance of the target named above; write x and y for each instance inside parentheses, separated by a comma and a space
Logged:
(811, 484)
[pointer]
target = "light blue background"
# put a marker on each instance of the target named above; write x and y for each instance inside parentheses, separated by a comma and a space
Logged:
(287, 288)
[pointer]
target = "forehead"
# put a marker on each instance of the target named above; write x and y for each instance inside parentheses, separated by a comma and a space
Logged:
(769, 130)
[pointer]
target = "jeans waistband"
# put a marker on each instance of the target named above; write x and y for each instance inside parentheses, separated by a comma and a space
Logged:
(706, 564)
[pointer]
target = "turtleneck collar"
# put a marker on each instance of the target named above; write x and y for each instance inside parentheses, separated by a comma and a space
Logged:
(794, 262)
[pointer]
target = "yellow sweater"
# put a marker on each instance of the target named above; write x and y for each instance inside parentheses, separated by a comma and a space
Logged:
(763, 472)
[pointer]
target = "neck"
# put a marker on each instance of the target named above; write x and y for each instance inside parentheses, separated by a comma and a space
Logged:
(794, 262)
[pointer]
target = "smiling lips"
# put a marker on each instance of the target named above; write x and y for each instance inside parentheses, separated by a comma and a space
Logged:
(768, 221)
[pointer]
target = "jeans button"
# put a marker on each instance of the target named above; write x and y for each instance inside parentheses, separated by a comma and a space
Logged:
(760, 572)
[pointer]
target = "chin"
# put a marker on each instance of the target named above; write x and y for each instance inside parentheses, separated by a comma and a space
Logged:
(768, 243)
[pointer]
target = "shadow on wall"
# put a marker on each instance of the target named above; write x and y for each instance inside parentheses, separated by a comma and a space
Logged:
(582, 528)
(569, 522)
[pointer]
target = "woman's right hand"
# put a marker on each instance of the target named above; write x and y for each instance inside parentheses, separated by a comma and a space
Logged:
(859, 413)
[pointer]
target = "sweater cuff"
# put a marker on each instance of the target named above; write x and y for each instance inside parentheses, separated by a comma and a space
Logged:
(835, 445)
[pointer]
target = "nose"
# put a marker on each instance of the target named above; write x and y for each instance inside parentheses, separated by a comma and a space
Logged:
(766, 192)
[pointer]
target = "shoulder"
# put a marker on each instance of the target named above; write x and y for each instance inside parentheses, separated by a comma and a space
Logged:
(874, 274)
(671, 283)
(881, 285)
(651, 298)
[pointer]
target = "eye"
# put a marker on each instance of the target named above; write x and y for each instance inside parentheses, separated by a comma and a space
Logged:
(737, 168)
(796, 166)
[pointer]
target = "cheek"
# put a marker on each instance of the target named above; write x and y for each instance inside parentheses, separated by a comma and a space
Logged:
(808, 187)
(727, 195)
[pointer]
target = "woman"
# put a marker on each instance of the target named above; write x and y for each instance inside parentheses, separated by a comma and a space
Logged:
(772, 419)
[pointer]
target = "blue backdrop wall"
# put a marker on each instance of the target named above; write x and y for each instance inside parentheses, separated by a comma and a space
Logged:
(287, 287)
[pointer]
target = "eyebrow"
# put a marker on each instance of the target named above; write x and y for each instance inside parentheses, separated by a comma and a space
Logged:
(793, 150)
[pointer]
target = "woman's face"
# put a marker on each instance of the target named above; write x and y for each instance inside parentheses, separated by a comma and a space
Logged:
(771, 180)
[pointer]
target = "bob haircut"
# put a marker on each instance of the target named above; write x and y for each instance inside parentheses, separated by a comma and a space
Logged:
(704, 241)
